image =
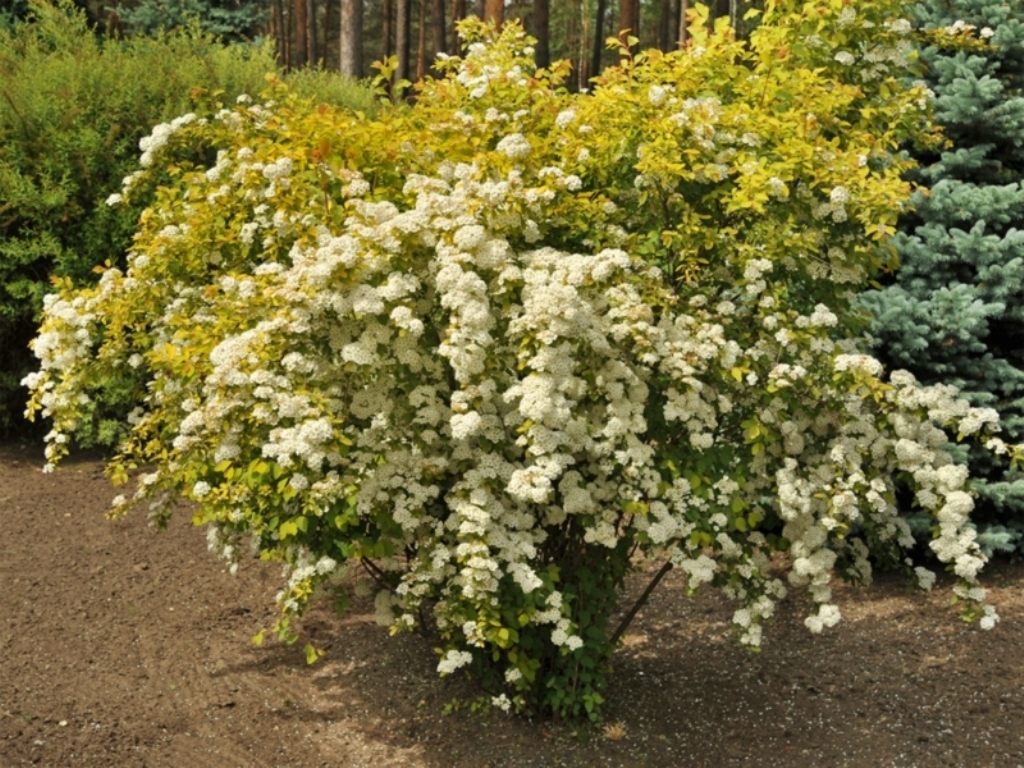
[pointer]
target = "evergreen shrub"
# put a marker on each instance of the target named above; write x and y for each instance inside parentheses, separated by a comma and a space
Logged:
(954, 313)
(230, 20)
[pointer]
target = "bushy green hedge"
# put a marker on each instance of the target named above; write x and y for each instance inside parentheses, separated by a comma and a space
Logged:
(73, 107)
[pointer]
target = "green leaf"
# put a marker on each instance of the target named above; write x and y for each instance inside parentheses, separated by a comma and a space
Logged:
(312, 654)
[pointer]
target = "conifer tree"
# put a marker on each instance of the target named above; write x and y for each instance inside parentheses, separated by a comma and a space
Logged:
(955, 310)
(232, 20)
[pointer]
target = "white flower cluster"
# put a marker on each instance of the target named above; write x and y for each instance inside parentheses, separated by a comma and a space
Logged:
(565, 118)
(838, 198)
(959, 27)
(657, 94)
(158, 138)
(477, 71)
(515, 146)
(453, 660)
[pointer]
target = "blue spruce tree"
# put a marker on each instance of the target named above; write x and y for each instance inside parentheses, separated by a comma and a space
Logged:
(955, 310)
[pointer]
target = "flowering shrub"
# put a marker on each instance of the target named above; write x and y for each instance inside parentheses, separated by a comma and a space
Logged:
(504, 347)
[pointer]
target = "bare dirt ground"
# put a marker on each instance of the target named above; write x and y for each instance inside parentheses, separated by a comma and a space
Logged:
(124, 646)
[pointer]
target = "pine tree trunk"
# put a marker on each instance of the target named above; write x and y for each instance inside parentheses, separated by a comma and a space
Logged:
(629, 18)
(286, 36)
(684, 6)
(280, 34)
(665, 41)
(314, 57)
(542, 31)
(458, 14)
(350, 42)
(326, 32)
(438, 30)
(584, 47)
(421, 43)
(595, 61)
(494, 11)
(301, 50)
(402, 42)
(387, 28)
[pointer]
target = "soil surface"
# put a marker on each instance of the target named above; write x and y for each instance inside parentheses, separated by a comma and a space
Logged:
(125, 646)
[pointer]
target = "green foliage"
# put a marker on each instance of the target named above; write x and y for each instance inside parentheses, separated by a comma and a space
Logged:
(507, 345)
(319, 85)
(230, 20)
(955, 310)
(73, 108)
(13, 11)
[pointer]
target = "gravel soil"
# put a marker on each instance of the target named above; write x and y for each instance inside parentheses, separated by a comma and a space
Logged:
(125, 646)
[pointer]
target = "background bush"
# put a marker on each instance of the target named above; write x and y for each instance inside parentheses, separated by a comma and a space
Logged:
(13, 10)
(228, 19)
(73, 107)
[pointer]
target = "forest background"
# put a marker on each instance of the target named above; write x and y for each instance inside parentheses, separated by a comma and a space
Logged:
(349, 35)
